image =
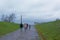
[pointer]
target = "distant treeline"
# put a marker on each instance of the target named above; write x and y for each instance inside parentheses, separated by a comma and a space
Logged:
(8, 18)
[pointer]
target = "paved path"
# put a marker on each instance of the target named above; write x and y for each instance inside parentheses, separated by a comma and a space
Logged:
(17, 35)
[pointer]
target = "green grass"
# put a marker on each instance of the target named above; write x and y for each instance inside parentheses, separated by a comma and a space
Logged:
(50, 30)
(6, 27)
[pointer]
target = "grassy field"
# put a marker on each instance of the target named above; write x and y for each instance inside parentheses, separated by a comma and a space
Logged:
(6, 27)
(50, 30)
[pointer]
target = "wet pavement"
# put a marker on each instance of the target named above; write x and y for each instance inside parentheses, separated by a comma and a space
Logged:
(18, 35)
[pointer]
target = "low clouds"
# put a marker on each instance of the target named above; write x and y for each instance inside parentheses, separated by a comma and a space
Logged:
(37, 9)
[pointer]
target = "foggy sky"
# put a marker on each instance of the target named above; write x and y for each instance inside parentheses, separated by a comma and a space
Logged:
(32, 10)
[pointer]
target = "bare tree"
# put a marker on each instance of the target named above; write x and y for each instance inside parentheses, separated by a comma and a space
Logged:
(7, 18)
(11, 17)
(2, 17)
(57, 19)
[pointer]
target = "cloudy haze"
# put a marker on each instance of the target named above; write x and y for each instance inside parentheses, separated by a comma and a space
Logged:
(32, 10)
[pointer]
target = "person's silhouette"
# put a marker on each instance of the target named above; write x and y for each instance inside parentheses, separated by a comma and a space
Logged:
(21, 26)
(25, 26)
(29, 27)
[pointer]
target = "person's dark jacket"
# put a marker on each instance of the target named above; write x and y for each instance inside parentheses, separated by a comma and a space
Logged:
(21, 25)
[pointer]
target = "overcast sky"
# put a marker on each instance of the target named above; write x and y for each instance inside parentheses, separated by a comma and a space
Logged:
(32, 10)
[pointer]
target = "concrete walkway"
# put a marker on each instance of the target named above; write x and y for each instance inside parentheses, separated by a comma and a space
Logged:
(18, 35)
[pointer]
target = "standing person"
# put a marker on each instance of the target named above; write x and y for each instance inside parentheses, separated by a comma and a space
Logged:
(25, 27)
(29, 27)
(21, 26)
